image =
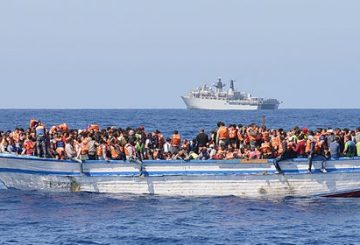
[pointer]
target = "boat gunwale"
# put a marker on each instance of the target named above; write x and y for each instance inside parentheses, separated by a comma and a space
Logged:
(210, 161)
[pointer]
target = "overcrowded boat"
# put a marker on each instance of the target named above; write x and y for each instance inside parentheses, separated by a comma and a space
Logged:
(247, 161)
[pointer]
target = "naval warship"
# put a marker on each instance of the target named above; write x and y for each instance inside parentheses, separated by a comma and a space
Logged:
(208, 98)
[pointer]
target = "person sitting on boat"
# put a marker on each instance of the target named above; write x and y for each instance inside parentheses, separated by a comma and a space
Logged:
(70, 152)
(203, 153)
(130, 151)
(83, 149)
(358, 149)
(41, 145)
(230, 154)
(28, 146)
(59, 147)
(115, 150)
(167, 146)
(266, 149)
(300, 147)
(101, 150)
(334, 148)
(3, 143)
(92, 147)
(350, 147)
(357, 135)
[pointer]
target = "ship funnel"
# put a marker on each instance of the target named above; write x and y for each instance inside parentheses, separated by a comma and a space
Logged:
(232, 85)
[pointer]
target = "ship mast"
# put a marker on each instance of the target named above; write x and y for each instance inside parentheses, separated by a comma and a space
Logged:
(219, 86)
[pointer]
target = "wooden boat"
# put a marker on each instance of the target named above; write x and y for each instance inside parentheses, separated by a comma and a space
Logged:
(254, 178)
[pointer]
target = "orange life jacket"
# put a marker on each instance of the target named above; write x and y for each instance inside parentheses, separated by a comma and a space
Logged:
(114, 153)
(63, 127)
(94, 127)
(99, 150)
(251, 137)
(176, 140)
(84, 149)
(232, 133)
(223, 133)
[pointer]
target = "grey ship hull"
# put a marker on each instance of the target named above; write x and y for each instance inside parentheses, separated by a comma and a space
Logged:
(218, 104)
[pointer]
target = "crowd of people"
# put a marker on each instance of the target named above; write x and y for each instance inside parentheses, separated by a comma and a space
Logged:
(224, 142)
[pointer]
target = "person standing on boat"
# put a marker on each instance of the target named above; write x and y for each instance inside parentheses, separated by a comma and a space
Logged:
(175, 142)
(201, 140)
(41, 140)
(222, 135)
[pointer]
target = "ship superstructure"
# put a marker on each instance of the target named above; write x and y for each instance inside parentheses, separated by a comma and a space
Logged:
(217, 98)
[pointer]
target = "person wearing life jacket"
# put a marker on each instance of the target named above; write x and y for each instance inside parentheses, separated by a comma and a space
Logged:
(63, 128)
(314, 147)
(175, 142)
(252, 133)
(41, 147)
(28, 146)
(116, 151)
(59, 147)
(101, 150)
(158, 139)
(222, 135)
(266, 149)
(93, 127)
(240, 137)
(233, 136)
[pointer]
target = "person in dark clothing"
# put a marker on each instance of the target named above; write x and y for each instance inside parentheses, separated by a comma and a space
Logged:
(201, 139)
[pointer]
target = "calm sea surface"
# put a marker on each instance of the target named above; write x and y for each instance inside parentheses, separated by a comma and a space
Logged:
(85, 218)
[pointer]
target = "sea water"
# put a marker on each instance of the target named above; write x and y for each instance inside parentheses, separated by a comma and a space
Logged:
(89, 218)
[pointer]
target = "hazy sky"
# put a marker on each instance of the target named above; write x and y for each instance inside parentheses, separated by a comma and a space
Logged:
(146, 54)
